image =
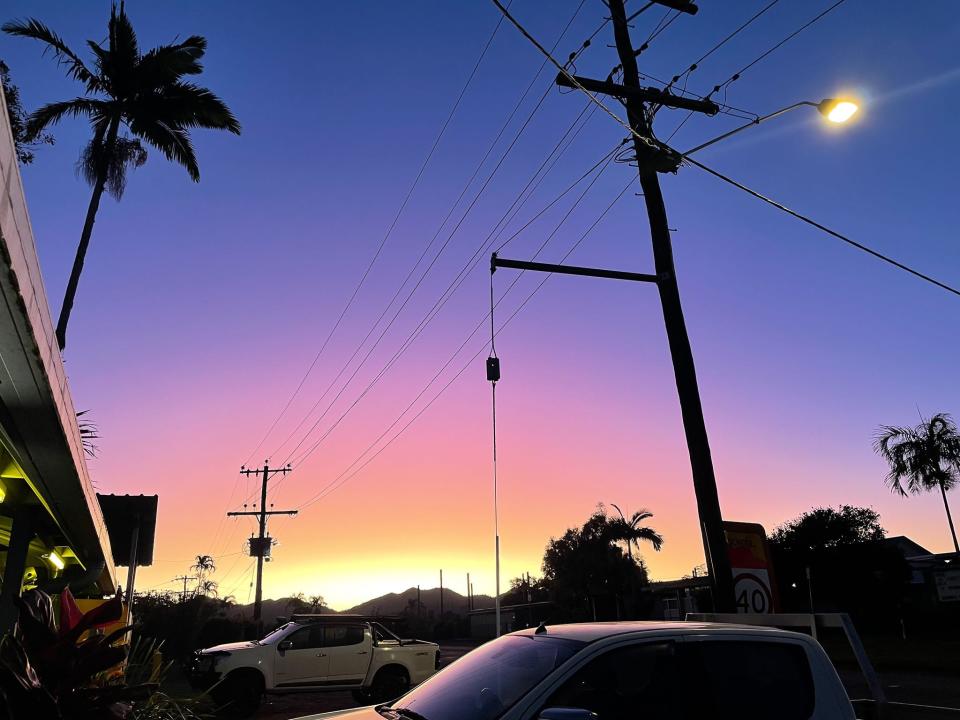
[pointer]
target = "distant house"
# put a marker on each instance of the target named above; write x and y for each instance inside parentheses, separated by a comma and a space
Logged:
(483, 621)
(934, 577)
(673, 599)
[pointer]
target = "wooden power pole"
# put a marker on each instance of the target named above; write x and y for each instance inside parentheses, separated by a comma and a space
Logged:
(652, 158)
(260, 545)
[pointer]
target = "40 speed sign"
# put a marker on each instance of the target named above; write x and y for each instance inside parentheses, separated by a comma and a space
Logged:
(753, 586)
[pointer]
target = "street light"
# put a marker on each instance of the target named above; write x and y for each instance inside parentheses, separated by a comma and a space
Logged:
(836, 110)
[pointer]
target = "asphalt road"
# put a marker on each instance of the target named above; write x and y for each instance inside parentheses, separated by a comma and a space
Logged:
(283, 707)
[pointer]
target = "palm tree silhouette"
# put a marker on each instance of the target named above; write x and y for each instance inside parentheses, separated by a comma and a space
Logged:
(923, 458)
(144, 94)
(632, 532)
(204, 565)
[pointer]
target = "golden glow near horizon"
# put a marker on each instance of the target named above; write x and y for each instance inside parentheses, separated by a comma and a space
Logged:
(842, 110)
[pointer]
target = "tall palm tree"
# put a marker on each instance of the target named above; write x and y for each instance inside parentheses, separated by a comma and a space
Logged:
(129, 97)
(204, 565)
(632, 532)
(923, 458)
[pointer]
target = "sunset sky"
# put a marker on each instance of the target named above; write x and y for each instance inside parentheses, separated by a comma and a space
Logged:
(202, 306)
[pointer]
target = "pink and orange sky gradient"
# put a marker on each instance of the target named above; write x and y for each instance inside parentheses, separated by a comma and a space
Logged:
(201, 306)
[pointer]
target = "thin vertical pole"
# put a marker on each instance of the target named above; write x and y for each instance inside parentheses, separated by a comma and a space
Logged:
(132, 568)
(441, 593)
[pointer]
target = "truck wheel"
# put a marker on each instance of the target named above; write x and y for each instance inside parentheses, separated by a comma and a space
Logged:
(389, 684)
(239, 694)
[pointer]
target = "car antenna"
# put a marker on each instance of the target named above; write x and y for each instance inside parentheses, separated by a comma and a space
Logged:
(541, 628)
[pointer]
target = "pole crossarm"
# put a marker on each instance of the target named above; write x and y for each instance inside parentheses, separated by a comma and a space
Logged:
(257, 513)
(644, 94)
(496, 262)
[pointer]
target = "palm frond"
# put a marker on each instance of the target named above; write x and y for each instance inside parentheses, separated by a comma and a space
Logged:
(169, 63)
(649, 535)
(52, 113)
(172, 141)
(35, 30)
(186, 105)
(123, 44)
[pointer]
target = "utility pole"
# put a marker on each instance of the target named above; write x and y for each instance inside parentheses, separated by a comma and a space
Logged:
(185, 579)
(260, 546)
(654, 157)
(469, 596)
(441, 594)
(650, 158)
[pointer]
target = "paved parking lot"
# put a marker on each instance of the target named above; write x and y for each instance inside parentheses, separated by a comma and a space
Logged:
(282, 707)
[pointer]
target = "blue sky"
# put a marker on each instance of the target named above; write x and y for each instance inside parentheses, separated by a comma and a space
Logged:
(202, 305)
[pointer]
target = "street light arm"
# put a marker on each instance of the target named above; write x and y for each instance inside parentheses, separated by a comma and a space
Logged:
(755, 121)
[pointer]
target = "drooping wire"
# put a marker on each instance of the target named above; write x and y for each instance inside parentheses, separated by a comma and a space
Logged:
(696, 63)
(606, 159)
(824, 228)
(423, 254)
(353, 470)
(389, 232)
(736, 76)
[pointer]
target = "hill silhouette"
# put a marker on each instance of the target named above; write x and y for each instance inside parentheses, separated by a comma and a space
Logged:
(389, 604)
(396, 603)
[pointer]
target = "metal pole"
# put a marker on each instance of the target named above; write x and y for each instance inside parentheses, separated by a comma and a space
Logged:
(441, 593)
(132, 568)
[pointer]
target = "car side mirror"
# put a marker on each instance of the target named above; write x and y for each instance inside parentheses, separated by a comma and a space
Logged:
(567, 713)
(284, 645)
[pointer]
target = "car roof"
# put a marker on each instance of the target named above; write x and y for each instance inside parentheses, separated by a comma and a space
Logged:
(590, 632)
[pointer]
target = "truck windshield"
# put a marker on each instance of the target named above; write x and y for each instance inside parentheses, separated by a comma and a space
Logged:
(485, 683)
(269, 637)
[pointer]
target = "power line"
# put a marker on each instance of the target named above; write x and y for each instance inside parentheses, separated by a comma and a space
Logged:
(436, 235)
(343, 478)
(824, 228)
(603, 161)
(472, 263)
(694, 65)
(386, 236)
(573, 81)
(739, 73)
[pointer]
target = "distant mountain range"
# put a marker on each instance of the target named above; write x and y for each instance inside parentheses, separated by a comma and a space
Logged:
(395, 603)
(389, 604)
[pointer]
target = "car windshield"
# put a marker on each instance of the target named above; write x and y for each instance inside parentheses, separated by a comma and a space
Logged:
(485, 683)
(269, 637)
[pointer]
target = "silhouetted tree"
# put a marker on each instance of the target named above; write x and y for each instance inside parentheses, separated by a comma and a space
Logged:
(839, 555)
(922, 459)
(23, 144)
(586, 567)
(823, 528)
(143, 93)
(316, 603)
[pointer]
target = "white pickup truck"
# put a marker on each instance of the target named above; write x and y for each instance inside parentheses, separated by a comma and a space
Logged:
(312, 653)
(633, 671)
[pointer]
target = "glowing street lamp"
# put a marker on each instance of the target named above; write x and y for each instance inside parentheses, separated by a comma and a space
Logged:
(836, 110)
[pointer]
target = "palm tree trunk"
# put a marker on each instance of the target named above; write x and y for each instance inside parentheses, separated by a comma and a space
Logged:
(74, 280)
(953, 531)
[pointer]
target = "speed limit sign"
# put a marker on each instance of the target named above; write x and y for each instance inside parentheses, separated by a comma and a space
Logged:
(752, 593)
(753, 586)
